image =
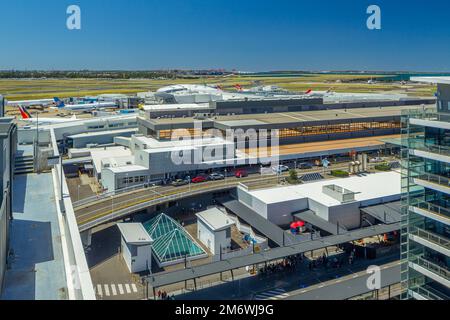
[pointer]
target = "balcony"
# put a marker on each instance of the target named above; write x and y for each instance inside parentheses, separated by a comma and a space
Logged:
(438, 273)
(429, 119)
(429, 210)
(418, 148)
(431, 240)
(432, 181)
(427, 293)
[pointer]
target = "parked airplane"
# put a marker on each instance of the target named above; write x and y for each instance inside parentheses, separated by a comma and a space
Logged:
(84, 107)
(26, 116)
(29, 103)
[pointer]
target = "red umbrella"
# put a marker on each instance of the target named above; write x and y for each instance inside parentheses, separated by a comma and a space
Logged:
(297, 224)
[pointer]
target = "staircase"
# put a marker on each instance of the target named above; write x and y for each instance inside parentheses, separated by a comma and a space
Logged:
(24, 165)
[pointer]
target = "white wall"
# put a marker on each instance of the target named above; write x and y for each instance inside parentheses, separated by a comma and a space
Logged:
(320, 209)
(113, 181)
(221, 241)
(108, 180)
(141, 261)
(206, 236)
(281, 213)
(216, 239)
(126, 254)
(348, 215)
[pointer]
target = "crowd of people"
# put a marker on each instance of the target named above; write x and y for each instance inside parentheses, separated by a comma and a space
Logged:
(287, 264)
(292, 263)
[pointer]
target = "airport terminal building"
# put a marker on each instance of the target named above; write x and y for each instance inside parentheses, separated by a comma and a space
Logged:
(298, 136)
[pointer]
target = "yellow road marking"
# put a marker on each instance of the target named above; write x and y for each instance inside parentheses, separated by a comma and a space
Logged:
(178, 191)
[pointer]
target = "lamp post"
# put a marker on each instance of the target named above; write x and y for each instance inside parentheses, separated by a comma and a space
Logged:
(61, 176)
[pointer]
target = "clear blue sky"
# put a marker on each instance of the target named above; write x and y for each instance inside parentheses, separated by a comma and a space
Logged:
(249, 35)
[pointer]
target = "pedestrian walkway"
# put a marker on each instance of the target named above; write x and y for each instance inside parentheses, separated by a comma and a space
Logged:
(37, 269)
(276, 294)
(113, 289)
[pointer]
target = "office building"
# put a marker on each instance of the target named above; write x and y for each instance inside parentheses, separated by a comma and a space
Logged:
(8, 137)
(425, 240)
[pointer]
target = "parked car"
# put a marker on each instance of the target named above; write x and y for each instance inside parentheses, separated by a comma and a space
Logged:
(216, 176)
(376, 160)
(304, 166)
(280, 168)
(179, 182)
(240, 173)
(199, 179)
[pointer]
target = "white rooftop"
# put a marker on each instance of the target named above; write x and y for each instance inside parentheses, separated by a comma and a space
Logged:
(174, 107)
(92, 121)
(102, 133)
(434, 80)
(99, 154)
(152, 143)
(128, 169)
(215, 219)
(372, 186)
(134, 233)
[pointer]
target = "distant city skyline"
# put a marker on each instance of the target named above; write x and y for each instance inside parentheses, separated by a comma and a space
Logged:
(253, 36)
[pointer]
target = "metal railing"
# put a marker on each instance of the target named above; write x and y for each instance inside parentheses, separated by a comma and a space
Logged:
(429, 293)
(433, 178)
(426, 114)
(109, 194)
(430, 236)
(250, 182)
(431, 266)
(419, 144)
(433, 208)
(106, 215)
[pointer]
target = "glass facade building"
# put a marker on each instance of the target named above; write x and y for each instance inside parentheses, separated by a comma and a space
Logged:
(425, 234)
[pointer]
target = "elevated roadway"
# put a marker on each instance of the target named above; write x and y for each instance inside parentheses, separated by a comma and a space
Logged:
(114, 207)
(105, 208)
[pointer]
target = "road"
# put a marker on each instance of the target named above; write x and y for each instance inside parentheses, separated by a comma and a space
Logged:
(320, 284)
(103, 207)
(107, 208)
(348, 286)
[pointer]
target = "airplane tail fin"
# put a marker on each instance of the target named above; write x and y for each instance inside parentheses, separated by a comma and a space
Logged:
(309, 91)
(59, 103)
(238, 87)
(24, 113)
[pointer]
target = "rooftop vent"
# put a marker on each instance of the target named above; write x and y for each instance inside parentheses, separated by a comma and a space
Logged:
(341, 194)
